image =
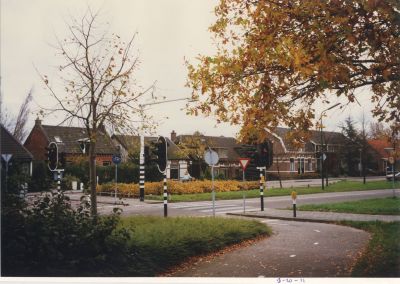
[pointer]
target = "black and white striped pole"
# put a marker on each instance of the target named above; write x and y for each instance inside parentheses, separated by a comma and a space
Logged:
(262, 180)
(58, 181)
(141, 169)
(165, 195)
(294, 197)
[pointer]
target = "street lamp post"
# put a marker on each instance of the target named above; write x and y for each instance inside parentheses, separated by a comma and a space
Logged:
(322, 145)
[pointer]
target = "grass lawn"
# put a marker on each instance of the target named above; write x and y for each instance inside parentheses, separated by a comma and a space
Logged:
(160, 243)
(340, 186)
(380, 206)
(382, 256)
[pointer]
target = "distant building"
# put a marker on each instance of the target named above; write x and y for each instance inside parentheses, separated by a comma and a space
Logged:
(73, 141)
(379, 151)
(18, 155)
(228, 165)
(129, 146)
(295, 161)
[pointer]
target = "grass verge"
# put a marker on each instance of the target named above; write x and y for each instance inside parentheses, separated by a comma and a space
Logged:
(382, 255)
(380, 206)
(341, 186)
(161, 243)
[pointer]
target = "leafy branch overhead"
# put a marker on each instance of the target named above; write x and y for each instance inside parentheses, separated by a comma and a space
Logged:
(276, 58)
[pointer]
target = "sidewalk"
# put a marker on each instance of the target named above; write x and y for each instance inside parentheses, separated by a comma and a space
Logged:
(315, 216)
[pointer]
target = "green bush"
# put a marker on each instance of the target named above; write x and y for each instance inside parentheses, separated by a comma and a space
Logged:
(127, 172)
(41, 177)
(50, 238)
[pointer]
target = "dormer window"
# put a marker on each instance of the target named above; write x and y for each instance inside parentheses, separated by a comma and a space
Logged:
(84, 145)
(57, 139)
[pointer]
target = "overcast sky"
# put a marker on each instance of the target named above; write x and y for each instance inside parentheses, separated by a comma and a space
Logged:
(168, 31)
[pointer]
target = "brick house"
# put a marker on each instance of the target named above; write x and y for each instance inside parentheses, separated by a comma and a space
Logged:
(129, 145)
(73, 141)
(19, 154)
(379, 154)
(228, 165)
(296, 161)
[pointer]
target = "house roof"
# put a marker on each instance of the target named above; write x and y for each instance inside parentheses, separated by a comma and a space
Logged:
(216, 142)
(379, 146)
(69, 138)
(330, 137)
(10, 145)
(132, 142)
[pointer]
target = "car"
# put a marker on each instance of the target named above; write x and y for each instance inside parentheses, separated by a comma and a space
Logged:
(389, 176)
(186, 177)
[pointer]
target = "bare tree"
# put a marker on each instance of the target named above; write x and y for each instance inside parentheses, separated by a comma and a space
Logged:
(377, 130)
(17, 126)
(20, 131)
(97, 77)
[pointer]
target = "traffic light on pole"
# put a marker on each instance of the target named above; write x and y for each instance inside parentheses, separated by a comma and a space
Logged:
(264, 154)
(161, 154)
(157, 152)
(52, 156)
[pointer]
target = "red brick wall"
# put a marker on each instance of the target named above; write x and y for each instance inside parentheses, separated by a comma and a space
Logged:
(36, 143)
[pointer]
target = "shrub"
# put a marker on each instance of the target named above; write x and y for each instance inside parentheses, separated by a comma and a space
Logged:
(50, 238)
(41, 179)
(177, 187)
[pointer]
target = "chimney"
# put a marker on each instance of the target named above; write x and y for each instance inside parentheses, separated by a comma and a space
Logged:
(38, 122)
(173, 136)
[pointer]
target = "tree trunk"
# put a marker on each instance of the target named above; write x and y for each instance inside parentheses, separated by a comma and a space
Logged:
(92, 178)
(279, 173)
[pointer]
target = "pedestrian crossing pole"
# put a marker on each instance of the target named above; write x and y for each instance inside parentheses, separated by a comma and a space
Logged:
(58, 181)
(141, 169)
(165, 195)
(262, 187)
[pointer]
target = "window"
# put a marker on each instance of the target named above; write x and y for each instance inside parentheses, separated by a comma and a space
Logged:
(292, 164)
(309, 165)
(106, 163)
(58, 139)
(300, 164)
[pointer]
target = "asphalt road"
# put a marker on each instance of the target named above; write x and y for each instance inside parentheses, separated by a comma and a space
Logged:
(204, 208)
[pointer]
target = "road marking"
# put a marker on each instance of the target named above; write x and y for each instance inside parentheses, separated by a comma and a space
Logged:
(318, 231)
(316, 243)
(292, 255)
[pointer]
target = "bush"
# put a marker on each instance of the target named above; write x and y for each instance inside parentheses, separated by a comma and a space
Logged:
(127, 172)
(50, 238)
(177, 187)
(41, 178)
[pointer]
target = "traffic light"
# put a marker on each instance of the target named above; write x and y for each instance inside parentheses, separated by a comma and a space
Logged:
(62, 160)
(52, 156)
(264, 155)
(158, 153)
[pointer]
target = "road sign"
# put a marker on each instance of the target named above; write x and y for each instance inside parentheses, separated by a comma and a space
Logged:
(391, 160)
(116, 159)
(244, 162)
(6, 157)
(211, 157)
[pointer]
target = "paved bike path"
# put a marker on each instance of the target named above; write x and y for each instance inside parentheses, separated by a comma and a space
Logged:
(296, 249)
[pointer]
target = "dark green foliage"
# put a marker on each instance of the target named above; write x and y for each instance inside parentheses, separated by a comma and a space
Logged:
(127, 172)
(52, 239)
(41, 177)
(382, 256)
